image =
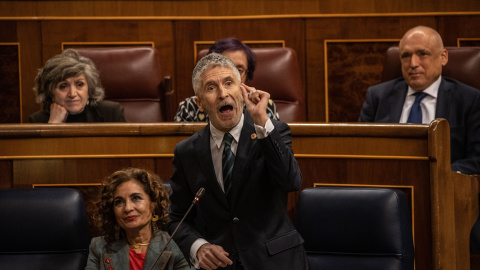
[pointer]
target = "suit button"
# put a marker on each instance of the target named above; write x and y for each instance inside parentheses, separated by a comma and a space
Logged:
(235, 219)
(110, 268)
(108, 261)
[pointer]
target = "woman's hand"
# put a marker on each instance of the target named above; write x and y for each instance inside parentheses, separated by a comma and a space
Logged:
(58, 114)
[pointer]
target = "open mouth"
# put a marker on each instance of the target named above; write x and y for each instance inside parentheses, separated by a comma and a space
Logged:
(226, 109)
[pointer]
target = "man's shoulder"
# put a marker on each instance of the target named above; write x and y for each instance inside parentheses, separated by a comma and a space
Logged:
(388, 88)
(392, 84)
(461, 87)
(188, 143)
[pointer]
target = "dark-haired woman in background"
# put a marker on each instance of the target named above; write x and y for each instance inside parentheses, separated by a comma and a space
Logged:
(245, 61)
(132, 213)
(69, 88)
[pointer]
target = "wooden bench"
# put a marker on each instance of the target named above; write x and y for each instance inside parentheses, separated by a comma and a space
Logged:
(413, 158)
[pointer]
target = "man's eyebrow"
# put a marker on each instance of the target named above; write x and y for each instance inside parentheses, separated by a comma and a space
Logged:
(228, 78)
(422, 51)
(209, 82)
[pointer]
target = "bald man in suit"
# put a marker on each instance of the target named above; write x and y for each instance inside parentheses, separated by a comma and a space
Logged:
(422, 56)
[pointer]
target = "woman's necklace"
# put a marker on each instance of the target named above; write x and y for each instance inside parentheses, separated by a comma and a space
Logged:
(135, 245)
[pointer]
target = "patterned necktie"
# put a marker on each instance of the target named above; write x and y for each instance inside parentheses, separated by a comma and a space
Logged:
(228, 159)
(415, 115)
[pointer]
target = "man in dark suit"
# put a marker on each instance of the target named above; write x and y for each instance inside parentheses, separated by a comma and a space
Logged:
(246, 225)
(422, 56)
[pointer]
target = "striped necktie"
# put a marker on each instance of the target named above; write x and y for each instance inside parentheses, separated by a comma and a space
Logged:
(228, 158)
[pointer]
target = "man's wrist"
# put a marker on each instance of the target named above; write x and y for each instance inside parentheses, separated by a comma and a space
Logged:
(260, 120)
(264, 131)
(194, 249)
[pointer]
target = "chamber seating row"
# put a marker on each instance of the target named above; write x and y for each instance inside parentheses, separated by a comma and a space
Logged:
(134, 77)
(343, 228)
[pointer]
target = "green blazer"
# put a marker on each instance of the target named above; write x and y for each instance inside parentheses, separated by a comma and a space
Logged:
(116, 257)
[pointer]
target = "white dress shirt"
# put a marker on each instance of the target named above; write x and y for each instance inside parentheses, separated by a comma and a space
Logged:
(428, 104)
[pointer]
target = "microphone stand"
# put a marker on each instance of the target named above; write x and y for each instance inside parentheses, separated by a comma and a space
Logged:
(199, 194)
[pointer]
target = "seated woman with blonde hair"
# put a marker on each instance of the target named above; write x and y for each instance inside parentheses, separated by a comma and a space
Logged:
(69, 89)
(132, 213)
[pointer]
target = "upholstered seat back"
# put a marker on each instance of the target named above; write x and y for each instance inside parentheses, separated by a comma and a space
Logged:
(356, 228)
(43, 228)
(278, 73)
(463, 65)
(133, 77)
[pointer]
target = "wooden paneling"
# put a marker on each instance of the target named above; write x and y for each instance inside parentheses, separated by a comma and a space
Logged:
(453, 27)
(467, 42)
(6, 178)
(226, 7)
(351, 67)
(31, 50)
(10, 106)
(117, 31)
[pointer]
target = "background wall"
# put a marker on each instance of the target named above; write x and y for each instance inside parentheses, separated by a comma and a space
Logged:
(340, 44)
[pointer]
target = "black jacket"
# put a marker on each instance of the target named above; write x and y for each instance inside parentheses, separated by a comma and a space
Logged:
(105, 111)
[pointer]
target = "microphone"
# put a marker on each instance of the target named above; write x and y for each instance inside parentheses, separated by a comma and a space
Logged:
(199, 194)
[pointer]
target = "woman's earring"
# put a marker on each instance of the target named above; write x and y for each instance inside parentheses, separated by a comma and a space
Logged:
(154, 224)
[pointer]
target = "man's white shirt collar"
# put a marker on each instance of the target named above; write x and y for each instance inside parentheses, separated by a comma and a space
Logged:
(432, 90)
(217, 135)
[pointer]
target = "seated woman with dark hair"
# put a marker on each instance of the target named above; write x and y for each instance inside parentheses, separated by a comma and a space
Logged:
(132, 213)
(70, 90)
(245, 61)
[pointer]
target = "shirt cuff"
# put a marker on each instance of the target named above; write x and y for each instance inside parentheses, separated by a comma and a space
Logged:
(193, 251)
(263, 132)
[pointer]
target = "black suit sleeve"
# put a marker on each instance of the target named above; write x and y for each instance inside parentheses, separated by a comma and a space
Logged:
(469, 163)
(181, 201)
(282, 165)
(367, 114)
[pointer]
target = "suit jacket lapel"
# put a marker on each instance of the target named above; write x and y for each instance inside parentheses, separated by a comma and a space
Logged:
(444, 95)
(245, 145)
(119, 256)
(204, 157)
(152, 260)
(396, 100)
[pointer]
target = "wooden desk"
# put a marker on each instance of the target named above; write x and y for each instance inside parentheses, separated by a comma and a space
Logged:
(414, 158)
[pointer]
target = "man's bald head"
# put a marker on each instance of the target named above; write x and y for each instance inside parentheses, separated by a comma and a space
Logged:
(422, 56)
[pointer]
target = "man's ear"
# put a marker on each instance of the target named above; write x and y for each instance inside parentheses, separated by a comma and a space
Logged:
(444, 57)
(199, 103)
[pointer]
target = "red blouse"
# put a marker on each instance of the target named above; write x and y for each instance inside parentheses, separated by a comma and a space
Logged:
(137, 260)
